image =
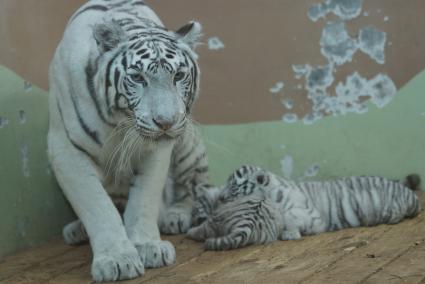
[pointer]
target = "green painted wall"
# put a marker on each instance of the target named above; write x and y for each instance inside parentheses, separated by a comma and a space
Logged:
(32, 208)
(388, 142)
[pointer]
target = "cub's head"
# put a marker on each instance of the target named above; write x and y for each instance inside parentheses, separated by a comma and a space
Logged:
(147, 75)
(204, 201)
(244, 181)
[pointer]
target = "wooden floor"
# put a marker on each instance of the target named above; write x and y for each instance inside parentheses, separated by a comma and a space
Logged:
(383, 254)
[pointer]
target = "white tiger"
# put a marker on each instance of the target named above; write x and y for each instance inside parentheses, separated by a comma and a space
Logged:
(256, 206)
(121, 92)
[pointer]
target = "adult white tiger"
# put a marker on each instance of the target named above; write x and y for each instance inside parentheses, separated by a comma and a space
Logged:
(121, 91)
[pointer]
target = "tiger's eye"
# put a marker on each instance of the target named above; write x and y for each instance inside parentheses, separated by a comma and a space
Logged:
(178, 76)
(260, 179)
(137, 77)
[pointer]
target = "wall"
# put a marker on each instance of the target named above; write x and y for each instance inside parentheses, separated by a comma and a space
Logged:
(276, 91)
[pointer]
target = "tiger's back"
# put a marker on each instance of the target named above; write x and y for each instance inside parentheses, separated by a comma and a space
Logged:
(361, 201)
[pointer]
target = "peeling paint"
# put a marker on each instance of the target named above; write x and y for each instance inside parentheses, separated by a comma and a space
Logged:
(22, 117)
(3, 122)
(25, 160)
(372, 42)
(312, 118)
(319, 77)
(312, 171)
(300, 70)
(382, 90)
(336, 44)
(214, 43)
(290, 117)
(386, 19)
(287, 166)
(288, 103)
(277, 87)
(344, 9)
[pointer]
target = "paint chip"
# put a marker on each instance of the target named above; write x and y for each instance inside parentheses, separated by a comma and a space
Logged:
(382, 90)
(290, 117)
(214, 43)
(22, 117)
(320, 77)
(372, 42)
(312, 171)
(344, 9)
(288, 103)
(386, 19)
(312, 118)
(27, 86)
(25, 160)
(287, 166)
(336, 44)
(3, 122)
(277, 87)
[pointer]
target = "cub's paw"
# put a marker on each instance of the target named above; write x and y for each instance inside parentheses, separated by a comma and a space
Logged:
(290, 235)
(74, 233)
(156, 253)
(175, 221)
(117, 264)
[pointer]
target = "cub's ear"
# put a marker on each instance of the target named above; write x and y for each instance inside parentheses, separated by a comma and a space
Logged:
(190, 33)
(108, 35)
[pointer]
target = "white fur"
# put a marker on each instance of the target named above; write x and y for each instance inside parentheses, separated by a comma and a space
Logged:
(120, 249)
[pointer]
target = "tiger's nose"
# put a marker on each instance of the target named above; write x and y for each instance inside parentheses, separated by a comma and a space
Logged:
(163, 123)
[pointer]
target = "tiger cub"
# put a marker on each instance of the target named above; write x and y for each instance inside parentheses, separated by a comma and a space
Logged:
(227, 219)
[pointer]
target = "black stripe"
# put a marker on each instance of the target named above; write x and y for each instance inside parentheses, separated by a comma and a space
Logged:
(108, 82)
(141, 3)
(91, 133)
(75, 144)
(90, 72)
(93, 8)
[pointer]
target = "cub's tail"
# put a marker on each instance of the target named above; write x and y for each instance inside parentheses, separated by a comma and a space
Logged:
(412, 181)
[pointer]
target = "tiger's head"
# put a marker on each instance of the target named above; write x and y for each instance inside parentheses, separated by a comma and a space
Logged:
(148, 75)
(247, 180)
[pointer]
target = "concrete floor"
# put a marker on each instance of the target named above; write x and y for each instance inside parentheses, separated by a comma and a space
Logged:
(383, 254)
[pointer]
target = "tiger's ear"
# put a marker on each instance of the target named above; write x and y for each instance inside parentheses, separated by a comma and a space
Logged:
(108, 35)
(190, 33)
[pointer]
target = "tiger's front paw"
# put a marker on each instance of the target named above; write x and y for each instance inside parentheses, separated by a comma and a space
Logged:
(175, 221)
(117, 263)
(156, 253)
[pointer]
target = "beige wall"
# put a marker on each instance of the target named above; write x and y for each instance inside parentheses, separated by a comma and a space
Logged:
(262, 40)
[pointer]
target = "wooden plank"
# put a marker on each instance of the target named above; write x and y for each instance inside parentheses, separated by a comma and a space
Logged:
(185, 249)
(291, 260)
(408, 268)
(52, 267)
(22, 261)
(368, 260)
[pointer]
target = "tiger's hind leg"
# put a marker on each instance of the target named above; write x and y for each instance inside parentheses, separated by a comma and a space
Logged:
(74, 233)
